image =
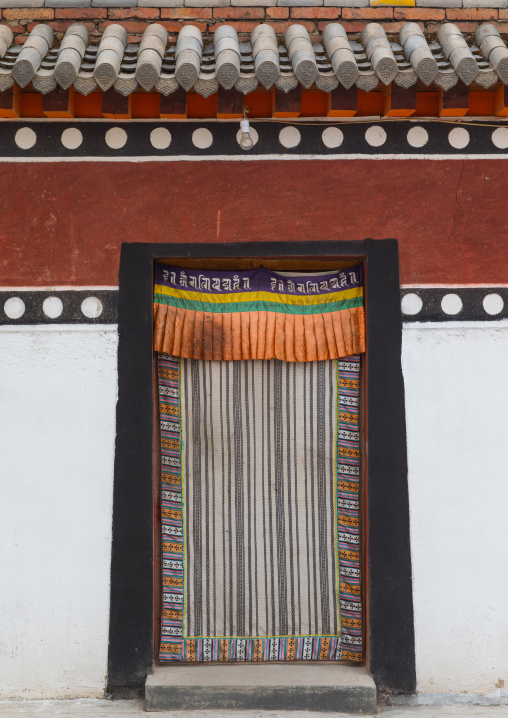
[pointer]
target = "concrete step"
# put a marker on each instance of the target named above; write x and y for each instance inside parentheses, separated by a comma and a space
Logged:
(261, 686)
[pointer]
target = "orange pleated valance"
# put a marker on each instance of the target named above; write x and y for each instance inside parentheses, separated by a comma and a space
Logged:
(258, 314)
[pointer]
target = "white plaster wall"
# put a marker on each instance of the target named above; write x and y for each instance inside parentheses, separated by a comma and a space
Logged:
(57, 425)
(456, 380)
(57, 433)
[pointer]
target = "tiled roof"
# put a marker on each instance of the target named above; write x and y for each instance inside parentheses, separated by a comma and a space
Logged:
(192, 63)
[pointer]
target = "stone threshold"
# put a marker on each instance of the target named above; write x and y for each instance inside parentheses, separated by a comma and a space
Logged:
(251, 686)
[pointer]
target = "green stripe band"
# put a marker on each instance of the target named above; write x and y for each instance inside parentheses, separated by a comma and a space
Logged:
(232, 308)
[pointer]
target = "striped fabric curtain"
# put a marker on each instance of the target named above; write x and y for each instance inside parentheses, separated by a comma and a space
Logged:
(260, 484)
(259, 381)
(258, 314)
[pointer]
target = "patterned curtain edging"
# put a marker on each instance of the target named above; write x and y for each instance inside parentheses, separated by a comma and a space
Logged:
(175, 646)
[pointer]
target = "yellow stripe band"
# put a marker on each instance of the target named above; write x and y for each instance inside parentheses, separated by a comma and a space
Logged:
(248, 297)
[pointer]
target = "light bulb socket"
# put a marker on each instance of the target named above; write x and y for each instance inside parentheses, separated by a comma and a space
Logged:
(244, 125)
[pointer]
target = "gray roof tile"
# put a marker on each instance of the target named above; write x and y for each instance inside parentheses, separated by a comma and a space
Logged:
(191, 64)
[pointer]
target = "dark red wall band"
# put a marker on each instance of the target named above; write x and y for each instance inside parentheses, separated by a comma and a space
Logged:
(64, 223)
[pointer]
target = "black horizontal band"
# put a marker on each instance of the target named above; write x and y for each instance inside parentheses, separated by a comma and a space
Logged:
(473, 304)
(71, 310)
(46, 139)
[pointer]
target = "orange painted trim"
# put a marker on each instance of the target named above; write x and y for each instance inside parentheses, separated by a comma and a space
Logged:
(459, 98)
(145, 105)
(283, 115)
(88, 105)
(427, 104)
(500, 106)
(124, 107)
(369, 103)
(407, 98)
(261, 103)
(399, 113)
(54, 114)
(453, 112)
(14, 100)
(315, 103)
(202, 108)
(341, 113)
(109, 116)
(31, 104)
(481, 104)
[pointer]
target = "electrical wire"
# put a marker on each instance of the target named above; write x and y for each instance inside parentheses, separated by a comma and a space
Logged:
(326, 121)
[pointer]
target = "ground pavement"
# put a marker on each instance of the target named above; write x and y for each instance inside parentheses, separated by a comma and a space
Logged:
(135, 709)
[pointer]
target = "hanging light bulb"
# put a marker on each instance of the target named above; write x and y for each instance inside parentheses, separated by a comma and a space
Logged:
(246, 141)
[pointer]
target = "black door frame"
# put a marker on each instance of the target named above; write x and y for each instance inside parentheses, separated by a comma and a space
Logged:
(391, 650)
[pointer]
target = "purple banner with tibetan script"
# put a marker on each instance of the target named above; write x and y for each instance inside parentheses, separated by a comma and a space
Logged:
(256, 280)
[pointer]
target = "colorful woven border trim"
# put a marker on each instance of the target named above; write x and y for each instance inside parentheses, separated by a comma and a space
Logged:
(348, 504)
(174, 646)
(171, 509)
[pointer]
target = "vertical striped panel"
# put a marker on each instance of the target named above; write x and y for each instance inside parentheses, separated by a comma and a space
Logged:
(259, 475)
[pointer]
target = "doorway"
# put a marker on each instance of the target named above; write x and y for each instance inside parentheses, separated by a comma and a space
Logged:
(388, 610)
